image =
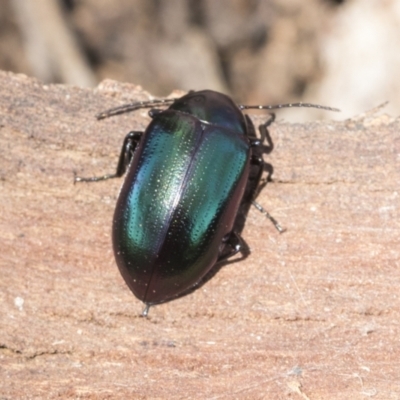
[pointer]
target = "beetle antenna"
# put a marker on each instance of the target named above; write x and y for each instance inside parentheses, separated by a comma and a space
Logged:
(287, 105)
(133, 107)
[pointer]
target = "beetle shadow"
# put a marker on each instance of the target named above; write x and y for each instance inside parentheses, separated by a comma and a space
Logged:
(256, 183)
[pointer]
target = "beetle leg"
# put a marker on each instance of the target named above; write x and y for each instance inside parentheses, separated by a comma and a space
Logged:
(266, 149)
(235, 242)
(145, 312)
(259, 161)
(131, 141)
(269, 216)
(128, 147)
(265, 136)
(263, 166)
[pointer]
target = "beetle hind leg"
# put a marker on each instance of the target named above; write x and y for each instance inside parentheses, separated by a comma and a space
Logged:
(232, 244)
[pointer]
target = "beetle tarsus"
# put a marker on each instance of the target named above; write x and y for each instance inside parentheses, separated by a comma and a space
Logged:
(269, 216)
(94, 178)
(145, 311)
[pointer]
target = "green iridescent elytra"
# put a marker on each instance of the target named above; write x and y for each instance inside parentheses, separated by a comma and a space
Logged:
(180, 197)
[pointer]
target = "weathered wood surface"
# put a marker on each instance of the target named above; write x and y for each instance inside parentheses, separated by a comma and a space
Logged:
(313, 313)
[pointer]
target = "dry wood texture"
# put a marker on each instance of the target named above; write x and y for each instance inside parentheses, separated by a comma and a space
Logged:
(311, 314)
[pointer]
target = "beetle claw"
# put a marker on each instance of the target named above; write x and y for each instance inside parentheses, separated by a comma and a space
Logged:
(145, 311)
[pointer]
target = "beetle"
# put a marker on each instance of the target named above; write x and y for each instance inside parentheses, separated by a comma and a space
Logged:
(190, 177)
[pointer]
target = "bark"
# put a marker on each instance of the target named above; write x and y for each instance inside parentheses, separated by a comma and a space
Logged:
(311, 313)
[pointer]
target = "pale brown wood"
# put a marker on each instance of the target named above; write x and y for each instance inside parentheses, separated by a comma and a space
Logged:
(311, 314)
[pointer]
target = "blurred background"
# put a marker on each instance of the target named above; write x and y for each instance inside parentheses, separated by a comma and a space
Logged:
(341, 53)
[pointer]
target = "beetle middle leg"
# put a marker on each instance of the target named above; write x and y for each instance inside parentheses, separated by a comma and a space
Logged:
(265, 146)
(129, 145)
(260, 146)
(260, 162)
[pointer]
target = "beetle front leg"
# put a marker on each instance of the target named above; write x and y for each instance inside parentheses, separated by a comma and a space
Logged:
(129, 145)
(265, 136)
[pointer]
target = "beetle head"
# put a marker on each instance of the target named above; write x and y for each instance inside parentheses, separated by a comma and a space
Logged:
(212, 108)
